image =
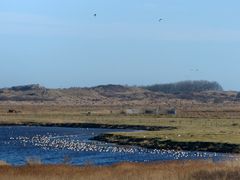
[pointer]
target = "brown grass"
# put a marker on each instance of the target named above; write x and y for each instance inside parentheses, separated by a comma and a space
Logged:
(199, 170)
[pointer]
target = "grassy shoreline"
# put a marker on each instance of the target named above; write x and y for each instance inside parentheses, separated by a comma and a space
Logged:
(156, 143)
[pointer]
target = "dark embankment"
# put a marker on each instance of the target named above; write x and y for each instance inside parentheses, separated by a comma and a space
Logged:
(92, 125)
(156, 143)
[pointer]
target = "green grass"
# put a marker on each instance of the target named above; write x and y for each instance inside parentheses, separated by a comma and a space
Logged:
(192, 130)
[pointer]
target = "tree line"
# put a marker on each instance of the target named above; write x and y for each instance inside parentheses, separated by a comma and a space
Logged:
(185, 87)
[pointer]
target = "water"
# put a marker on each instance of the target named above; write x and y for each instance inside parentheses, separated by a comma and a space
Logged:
(56, 144)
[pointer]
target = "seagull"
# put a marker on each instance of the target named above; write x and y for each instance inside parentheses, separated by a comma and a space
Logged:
(194, 70)
(160, 19)
(95, 15)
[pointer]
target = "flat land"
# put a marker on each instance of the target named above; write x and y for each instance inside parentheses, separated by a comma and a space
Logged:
(185, 133)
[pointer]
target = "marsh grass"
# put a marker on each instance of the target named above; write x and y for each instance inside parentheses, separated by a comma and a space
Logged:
(176, 170)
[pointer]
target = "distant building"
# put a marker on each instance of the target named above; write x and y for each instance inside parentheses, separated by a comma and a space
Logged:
(132, 111)
(172, 111)
(150, 111)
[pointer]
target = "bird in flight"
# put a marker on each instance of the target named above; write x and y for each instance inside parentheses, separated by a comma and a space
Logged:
(160, 19)
(95, 15)
(196, 70)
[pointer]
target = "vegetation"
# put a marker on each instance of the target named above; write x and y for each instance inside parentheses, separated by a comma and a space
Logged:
(238, 95)
(185, 87)
(189, 170)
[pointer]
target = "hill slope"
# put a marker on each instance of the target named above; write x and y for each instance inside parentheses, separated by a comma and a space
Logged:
(201, 91)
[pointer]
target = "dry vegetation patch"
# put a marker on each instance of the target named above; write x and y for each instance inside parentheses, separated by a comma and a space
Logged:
(160, 171)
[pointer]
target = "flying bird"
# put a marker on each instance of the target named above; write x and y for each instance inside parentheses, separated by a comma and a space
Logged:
(194, 70)
(160, 19)
(95, 15)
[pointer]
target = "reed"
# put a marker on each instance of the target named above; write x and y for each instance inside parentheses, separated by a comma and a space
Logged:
(175, 170)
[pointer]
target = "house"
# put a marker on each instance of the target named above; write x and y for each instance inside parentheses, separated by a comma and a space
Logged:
(132, 111)
(150, 111)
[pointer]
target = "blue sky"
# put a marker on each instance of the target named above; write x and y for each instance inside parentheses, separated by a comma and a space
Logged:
(59, 43)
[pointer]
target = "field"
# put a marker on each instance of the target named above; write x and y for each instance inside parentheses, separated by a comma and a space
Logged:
(185, 133)
(191, 170)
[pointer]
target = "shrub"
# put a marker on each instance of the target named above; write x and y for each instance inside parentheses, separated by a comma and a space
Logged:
(238, 95)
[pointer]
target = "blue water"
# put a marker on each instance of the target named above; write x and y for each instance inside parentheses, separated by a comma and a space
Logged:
(53, 145)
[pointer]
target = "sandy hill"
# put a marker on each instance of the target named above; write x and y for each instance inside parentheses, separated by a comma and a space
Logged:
(108, 95)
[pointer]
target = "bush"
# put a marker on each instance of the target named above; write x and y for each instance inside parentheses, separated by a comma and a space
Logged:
(238, 95)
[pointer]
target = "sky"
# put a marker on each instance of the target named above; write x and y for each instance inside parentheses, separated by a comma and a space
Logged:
(60, 43)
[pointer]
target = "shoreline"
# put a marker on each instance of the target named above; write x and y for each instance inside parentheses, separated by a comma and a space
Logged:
(149, 143)
(92, 125)
(156, 143)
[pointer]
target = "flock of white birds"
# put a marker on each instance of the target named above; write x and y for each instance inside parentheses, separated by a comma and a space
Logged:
(73, 143)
